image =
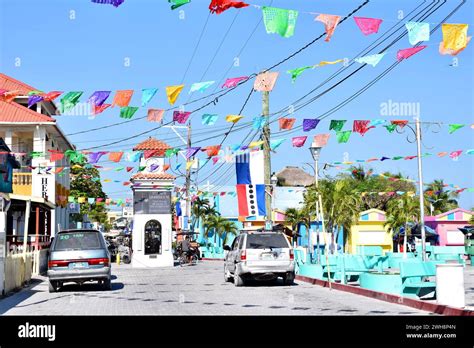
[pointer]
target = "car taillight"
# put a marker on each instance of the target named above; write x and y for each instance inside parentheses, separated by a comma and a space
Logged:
(292, 254)
(58, 263)
(243, 255)
(100, 261)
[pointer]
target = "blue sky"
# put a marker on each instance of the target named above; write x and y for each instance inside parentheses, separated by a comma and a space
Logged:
(78, 45)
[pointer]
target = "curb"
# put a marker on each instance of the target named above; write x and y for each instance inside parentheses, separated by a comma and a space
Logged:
(206, 259)
(382, 296)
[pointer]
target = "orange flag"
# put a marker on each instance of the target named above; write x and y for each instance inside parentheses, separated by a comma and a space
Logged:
(122, 98)
(155, 115)
(286, 123)
(115, 156)
(330, 24)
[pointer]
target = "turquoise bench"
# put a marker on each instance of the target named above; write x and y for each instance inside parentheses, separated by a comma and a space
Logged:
(351, 267)
(330, 268)
(394, 259)
(449, 253)
(413, 273)
(369, 250)
(429, 252)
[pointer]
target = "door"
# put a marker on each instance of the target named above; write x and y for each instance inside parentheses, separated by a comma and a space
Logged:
(231, 255)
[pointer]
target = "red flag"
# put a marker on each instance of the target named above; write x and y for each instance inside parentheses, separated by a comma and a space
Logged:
(400, 123)
(219, 6)
(56, 155)
(50, 96)
(99, 109)
(361, 126)
(129, 169)
(286, 123)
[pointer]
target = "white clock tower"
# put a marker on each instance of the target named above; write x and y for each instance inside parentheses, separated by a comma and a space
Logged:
(152, 218)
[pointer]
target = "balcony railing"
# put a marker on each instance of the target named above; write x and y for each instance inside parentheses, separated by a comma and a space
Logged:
(22, 184)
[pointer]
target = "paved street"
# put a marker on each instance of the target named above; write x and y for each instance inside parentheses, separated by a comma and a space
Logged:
(195, 290)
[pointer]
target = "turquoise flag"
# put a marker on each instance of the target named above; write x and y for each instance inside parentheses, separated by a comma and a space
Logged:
(148, 94)
(209, 119)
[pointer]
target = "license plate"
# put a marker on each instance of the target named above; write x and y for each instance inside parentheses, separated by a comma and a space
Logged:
(267, 256)
(78, 265)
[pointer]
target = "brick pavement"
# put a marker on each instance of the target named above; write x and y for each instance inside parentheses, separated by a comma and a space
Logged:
(193, 290)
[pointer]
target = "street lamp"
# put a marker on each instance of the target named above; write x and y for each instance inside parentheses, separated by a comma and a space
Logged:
(315, 153)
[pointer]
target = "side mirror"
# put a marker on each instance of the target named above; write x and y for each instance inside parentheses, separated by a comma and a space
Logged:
(226, 247)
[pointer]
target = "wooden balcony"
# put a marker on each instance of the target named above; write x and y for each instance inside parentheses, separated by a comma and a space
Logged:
(22, 184)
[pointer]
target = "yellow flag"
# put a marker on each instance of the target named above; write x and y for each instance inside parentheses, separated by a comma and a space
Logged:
(76, 166)
(172, 92)
(324, 62)
(256, 143)
(454, 36)
(233, 118)
(81, 199)
(189, 164)
(107, 180)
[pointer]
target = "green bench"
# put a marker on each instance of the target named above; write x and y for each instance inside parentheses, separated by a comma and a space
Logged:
(449, 253)
(330, 267)
(413, 273)
(369, 250)
(429, 251)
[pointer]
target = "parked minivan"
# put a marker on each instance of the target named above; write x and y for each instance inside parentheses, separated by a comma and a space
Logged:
(78, 256)
(260, 256)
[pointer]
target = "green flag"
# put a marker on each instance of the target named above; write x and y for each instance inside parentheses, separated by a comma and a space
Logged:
(336, 125)
(454, 127)
(70, 100)
(178, 3)
(128, 111)
(297, 72)
(343, 136)
(171, 152)
(391, 127)
(279, 21)
(397, 158)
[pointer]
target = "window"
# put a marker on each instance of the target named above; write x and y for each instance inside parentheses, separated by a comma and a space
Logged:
(77, 241)
(152, 237)
(266, 241)
(235, 243)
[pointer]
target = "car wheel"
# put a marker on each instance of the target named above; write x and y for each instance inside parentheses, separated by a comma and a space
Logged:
(289, 278)
(53, 285)
(238, 280)
(106, 284)
(227, 275)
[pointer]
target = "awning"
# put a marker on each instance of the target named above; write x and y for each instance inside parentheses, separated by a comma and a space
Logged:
(415, 230)
(33, 200)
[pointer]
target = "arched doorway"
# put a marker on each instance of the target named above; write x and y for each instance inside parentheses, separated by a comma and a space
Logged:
(152, 237)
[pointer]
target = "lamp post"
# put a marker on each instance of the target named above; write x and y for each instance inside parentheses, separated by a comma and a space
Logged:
(315, 153)
(273, 183)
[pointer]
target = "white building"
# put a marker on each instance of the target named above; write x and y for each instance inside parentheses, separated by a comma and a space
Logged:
(38, 180)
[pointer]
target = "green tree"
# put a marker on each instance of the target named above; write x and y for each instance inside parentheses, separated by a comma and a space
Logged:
(341, 204)
(200, 206)
(221, 227)
(438, 199)
(400, 212)
(85, 182)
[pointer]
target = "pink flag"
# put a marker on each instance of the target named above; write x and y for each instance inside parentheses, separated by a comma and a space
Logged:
(408, 52)
(321, 140)
(298, 141)
(455, 154)
(155, 115)
(215, 159)
(181, 116)
(234, 81)
(265, 81)
(330, 24)
(368, 25)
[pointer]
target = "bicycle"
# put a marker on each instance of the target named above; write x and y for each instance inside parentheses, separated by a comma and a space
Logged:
(184, 259)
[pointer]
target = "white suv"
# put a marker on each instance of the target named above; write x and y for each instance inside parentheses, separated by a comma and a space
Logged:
(260, 256)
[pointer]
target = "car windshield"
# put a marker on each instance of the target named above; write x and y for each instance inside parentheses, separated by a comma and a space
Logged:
(77, 241)
(266, 241)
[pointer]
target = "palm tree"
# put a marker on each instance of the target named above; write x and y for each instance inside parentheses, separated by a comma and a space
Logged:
(294, 217)
(221, 226)
(198, 210)
(400, 212)
(341, 204)
(441, 200)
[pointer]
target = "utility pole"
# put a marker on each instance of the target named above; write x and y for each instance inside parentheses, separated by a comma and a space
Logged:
(267, 164)
(188, 180)
(422, 198)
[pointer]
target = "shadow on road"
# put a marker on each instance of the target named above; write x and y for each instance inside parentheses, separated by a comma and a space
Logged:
(73, 287)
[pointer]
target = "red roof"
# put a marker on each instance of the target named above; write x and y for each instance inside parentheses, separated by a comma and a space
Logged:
(14, 112)
(152, 144)
(10, 84)
(156, 176)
